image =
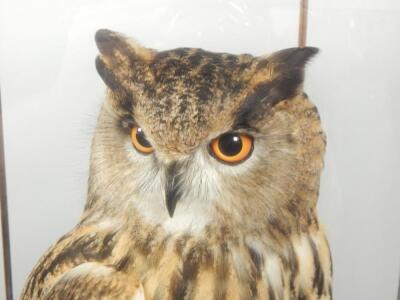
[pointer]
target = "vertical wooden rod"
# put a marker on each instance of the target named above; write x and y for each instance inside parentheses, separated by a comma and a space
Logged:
(303, 23)
(5, 233)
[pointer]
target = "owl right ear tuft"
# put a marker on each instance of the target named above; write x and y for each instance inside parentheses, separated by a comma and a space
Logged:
(107, 41)
(119, 58)
(111, 43)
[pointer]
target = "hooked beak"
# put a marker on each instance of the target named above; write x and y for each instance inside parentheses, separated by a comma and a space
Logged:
(173, 186)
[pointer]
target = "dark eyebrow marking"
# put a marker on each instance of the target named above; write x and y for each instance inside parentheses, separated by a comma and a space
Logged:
(289, 76)
(246, 127)
(265, 96)
(254, 106)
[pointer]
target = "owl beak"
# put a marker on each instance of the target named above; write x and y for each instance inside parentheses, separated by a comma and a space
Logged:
(170, 201)
(173, 187)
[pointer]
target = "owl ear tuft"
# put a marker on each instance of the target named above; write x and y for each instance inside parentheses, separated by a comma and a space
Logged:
(277, 77)
(107, 41)
(283, 72)
(111, 44)
(292, 59)
(121, 60)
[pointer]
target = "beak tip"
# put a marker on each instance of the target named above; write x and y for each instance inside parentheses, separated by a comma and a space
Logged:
(172, 188)
(171, 205)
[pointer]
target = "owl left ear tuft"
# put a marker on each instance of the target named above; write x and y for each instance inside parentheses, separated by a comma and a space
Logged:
(277, 77)
(292, 58)
(283, 72)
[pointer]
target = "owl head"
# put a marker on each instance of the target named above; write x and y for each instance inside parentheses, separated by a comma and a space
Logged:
(188, 139)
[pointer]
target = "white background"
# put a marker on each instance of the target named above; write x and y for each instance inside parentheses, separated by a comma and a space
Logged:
(51, 96)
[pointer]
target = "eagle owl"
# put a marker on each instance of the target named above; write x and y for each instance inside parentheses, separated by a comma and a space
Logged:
(204, 178)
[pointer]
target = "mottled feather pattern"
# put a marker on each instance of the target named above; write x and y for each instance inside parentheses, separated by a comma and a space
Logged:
(178, 224)
(173, 267)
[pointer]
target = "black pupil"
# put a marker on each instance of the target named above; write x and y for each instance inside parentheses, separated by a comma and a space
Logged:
(230, 144)
(141, 138)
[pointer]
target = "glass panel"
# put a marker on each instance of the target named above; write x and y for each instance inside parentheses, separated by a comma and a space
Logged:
(52, 95)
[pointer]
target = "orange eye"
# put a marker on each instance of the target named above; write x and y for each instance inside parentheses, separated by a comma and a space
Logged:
(140, 142)
(232, 147)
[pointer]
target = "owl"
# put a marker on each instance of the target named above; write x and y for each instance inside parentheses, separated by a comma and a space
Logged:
(204, 179)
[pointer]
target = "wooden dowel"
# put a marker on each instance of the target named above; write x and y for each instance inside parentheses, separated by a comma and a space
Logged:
(303, 23)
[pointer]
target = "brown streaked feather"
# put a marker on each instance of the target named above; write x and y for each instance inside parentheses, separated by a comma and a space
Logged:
(98, 282)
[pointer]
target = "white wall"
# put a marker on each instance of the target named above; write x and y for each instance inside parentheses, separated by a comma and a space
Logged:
(355, 82)
(52, 94)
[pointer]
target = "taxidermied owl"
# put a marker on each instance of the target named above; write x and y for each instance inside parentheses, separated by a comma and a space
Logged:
(204, 178)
